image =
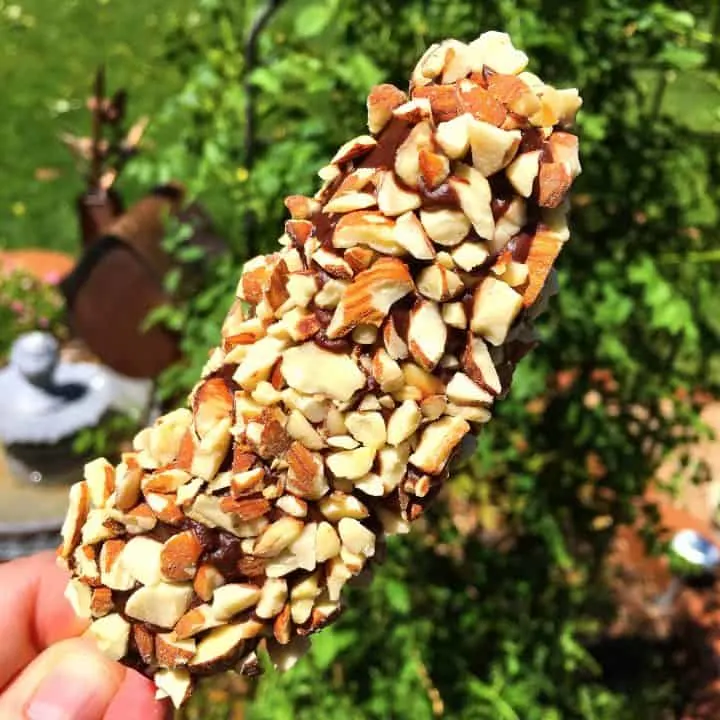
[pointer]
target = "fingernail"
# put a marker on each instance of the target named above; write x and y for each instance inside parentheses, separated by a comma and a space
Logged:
(67, 695)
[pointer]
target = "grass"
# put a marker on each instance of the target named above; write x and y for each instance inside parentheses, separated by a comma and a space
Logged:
(49, 50)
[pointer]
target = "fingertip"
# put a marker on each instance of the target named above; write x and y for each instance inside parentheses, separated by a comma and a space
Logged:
(136, 699)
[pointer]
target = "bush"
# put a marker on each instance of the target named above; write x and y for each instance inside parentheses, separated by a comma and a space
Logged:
(493, 623)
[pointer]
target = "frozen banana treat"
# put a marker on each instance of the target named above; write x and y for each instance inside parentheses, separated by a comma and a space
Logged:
(353, 364)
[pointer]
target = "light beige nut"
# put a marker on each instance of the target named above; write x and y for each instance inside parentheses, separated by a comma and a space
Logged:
(278, 536)
(474, 196)
(369, 403)
(371, 484)
(394, 200)
(356, 537)
(299, 428)
(272, 598)
(445, 227)
(300, 555)
(372, 229)
(79, 595)
(403, 423)
(558, 105)
(382, 100)
(111, 633)
(512, 92)
(368, 428)
(166, 435)
(195, 621)
(171, 652)
(396, 347)
(166, 481)
(453, 136)
(113, 571)
(209, 454)
(142, 558)
(463, 391)
(86, 567)
(212, 402)
(282, 627)
(427, 334)
(434, 168)
(164, 507)
(368, 300)
(127, 486)
(516, 274)
(407, 158)
(207, 579)
(100, 478)
(302, 598)
(411, 235)
(495, 51)
(179, 557)
(175, 683)
(301, 288)
(414, 111)
(337, 576)
(437, 443)
(247, 482)
(333, 264)
(207, 510)
(313, 408)
(338, 505)
(137, 521)
(421, 380)
(224, 644)
(306, 473)
(351, 464)
(365, 334)
(479, 366)
(292, 505)
(453, 315)
(495, 307)
(438, 283)
(472, 413)
(470, 255)
(492, 148)
(392, 465)
(565, 149)
(162, 604)
(359, 258)
(349, 202)
(331, 294)
(386, 371)
(310, 370)
(72, 529)
(327, 542)
(359, 145)
(259, 361)
(510, 224)
(229, 600)
(523, 170)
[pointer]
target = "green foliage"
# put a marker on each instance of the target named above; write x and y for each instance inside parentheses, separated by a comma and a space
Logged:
(497, 629)
(27, 304)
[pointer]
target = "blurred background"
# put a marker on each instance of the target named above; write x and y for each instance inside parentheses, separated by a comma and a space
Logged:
(145, 149)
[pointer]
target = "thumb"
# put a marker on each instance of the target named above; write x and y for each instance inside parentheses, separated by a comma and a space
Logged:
(69, 681)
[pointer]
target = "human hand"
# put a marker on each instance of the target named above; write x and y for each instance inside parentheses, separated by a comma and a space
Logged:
(47, 672)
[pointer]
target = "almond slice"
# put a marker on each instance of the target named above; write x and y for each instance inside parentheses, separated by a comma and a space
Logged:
(272, 598)
(480, 104)
(100, 478)
(492, 148)
(196, 621)
(368, 428)
(437, 443)
(310, 370)
(299, 428)
(207, 579)
(565, 149)
(382, 100)
(332, 264)
(470, 255)
(349, 202)
(427, 334)
(356, 537)
(278, 536)
(179, 557)
(338, 505)
(367, 228)
(409, 233)
(306, 473)
(102, 602)
(171, 652)
(434, 168)
(453, 136)
(301, 207)
(175, 683)
(111, 633)
(445, 227)
(302, 598)
(554, 183)
(369, 298)
(404, 421)
(352, 149)
(463, 391)
(392, 465)
(222, 647)
(523, 170)
(113, 571)
(437, 283)
(495, 307)
(474, 196)
(479, 365)
(394, 200)
(407, 158)
(351, 464)
(72, 529)
(142, 558)
(453, 315)
(162, 604)
(394, 344)
(544, 249)
(414, 111)
(509, 224)
(79, 595)
(212, 402)
(327, 542)
(512, 92)
(495, 50)
(386, 371)
(229, 600)
(127, 487)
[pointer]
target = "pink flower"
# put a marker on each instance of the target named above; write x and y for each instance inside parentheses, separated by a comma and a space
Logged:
(53, 277)
(17, 307)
